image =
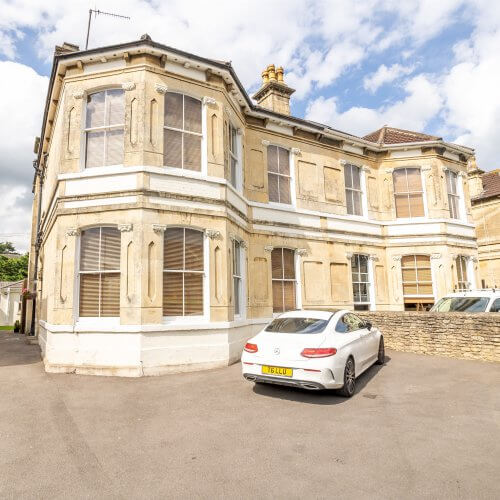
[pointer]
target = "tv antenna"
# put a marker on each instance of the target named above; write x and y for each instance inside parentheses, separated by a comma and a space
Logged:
(96, 12)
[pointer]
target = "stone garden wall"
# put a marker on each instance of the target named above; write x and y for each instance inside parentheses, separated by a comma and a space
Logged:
(457, 335)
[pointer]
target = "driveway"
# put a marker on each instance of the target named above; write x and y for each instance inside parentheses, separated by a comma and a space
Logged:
(418, 427)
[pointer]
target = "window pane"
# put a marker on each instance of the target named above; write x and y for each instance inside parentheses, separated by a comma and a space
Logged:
(277, 263)
(194, 250)
(410, 289)
(110, 248)
(172, 294)
(363, 263)
(402, 206)
(409, 275)
(284, 161)
(356, 197)
(94, 149)
(288, 263)
(110, 294)
(95, 110)
(89, 249)
(356, 182)
(349, 202)
(424, 274)
(408, 261)
(236, 288)
(272, 159)
(172, 148)
(236, 258)
(422, 260)
(425, 289)
(289, 290)
(233, 171)
(273, 188)
(414, 179)
(192, 152)
(173, 110)
(278, 296)
(89, 295)
(192, 114)
(284, 188)
(114, 147)
(399, 177)
(347, 176)
(416, 205)
(363, 292)
(116, 107)
(193, 294)
(173, 248)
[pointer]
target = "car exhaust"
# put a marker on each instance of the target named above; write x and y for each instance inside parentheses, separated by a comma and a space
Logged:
(311, 387)
(252, 378)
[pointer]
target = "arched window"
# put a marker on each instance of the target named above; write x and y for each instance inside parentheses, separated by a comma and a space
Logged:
(100, 272)
(283, 277)
(104, 126)
(182, 132)
(408, 193)
(417, 282)
(183, 271)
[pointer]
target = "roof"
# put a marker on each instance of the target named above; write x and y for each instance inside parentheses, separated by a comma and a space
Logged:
(491, 185)
(391, 135)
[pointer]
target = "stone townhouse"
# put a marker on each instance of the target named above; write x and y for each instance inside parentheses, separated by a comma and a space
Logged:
(174, 215)
(485, 197)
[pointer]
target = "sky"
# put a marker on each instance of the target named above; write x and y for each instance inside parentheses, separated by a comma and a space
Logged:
(424, 65)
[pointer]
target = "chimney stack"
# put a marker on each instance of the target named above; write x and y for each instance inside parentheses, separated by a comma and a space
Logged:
(474, 175)
(274, 93)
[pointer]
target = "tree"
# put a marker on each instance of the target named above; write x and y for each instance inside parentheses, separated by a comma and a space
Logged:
(7, 247)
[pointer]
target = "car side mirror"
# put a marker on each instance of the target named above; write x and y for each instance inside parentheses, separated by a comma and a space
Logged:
(368, 325)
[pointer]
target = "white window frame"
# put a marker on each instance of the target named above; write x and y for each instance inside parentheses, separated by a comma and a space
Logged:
(296, 280)
(203, 156)
(424, 195)
(103, 320)
(369, 283)
(241, 257)
(85, 130)
(291, 162)
(464, 264)
(236, 156)
(451, 174)
(433, 279)
(200, 318)
(352, 190)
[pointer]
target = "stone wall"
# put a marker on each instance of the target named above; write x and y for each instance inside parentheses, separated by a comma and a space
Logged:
(457, 335)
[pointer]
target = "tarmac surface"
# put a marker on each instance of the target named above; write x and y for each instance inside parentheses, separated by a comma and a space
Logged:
(418, 427)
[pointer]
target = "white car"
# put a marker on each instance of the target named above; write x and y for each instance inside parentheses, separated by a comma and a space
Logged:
(469, 301)
(313, 350)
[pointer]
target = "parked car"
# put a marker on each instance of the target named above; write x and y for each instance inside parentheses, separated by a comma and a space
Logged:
(469, 301)
(313, 350)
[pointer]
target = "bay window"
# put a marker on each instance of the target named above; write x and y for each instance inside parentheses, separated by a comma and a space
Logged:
(278, 174)
(182, 133)
(104, 128)
(183, 272)
(283, 278)
(408, 193)
(100, 272)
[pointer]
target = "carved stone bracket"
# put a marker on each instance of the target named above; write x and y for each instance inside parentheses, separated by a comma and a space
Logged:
(243, 244)
(73, 231)
(426, 168)
(264, 142)
(435, 256)
(128, 85)
(343, 162)
(462, 174)
(268, 248)
(373, 258)
(213, 234)
(302, 252)
(78, 94)
(161, 88)
(348, 255)
(209, 101)
(366, 168)
(295, 151)
(389, 170)
(397, 258)
(159, 228)
(125, 228)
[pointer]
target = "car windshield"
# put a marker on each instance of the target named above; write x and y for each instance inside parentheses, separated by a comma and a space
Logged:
(461, 304)
(297, 325)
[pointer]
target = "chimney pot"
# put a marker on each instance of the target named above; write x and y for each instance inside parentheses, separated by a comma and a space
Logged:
(274, 94)
(279, 74)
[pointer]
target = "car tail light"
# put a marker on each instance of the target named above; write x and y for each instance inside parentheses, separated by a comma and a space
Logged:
(318, 352)
(251, 347)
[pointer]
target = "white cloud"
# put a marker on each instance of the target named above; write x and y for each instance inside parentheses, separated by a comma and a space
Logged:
(413, 112)
(385, 75)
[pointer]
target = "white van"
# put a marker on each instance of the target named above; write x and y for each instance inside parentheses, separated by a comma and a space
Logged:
(469, 301)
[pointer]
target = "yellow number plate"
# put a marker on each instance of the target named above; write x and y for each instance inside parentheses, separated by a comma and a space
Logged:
(277, 370)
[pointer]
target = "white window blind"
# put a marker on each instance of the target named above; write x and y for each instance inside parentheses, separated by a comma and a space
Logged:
(408, 193)
(278, 174)
(100, 272)
(104, 128)
(182, 132)
(183, 271)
